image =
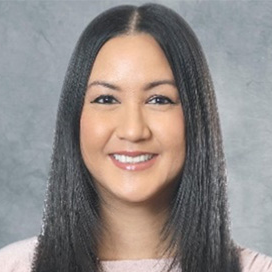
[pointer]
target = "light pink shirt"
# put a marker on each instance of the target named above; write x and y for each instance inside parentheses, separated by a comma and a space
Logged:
(17, 257)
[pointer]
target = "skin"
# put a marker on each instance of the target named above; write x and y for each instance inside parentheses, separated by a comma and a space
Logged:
(136, 117)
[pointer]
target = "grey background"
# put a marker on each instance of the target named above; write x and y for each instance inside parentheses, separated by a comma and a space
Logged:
(36, 41)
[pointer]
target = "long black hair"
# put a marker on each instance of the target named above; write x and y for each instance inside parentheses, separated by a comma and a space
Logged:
(198, 226)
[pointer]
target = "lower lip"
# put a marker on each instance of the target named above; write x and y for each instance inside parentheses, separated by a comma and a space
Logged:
(134, 166)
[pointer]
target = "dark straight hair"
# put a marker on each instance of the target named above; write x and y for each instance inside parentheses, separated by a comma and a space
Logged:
(198, 224)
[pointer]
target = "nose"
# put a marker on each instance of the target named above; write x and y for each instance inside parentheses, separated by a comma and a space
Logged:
(133, 124)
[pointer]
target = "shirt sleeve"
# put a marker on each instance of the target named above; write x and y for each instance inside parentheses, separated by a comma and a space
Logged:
(255, 262)
(17, 257)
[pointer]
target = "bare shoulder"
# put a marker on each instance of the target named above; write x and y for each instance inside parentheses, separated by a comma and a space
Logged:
(17, 256)
(253, 261)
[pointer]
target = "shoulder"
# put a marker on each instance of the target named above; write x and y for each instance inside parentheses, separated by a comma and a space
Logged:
(17, 257)
(255, 262)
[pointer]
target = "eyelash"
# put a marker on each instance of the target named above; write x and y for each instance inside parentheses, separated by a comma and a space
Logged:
(162, 97)
(104, 97)
(108, 99)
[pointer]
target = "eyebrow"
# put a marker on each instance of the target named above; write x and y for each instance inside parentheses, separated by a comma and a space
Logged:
(149, 86)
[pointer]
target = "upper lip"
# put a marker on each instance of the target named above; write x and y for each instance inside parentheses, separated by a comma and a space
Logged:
(132, 153)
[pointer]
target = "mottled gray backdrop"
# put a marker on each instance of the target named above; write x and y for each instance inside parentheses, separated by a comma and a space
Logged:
(36, 41)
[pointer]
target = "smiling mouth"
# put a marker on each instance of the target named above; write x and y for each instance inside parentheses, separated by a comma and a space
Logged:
(134, 163)
(129, 159)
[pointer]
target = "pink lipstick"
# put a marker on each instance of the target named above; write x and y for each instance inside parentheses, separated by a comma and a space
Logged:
(133, 160)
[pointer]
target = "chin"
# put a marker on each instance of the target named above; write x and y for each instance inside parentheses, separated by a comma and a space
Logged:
(136, 199)
(139, 197)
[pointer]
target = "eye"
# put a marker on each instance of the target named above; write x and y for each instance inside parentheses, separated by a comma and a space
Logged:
(105, 99)
(160, 99)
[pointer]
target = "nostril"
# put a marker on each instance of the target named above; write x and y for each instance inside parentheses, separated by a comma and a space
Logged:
(132, 134)
(133, 131)
(133, 125)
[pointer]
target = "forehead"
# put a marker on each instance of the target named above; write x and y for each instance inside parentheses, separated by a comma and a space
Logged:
(136, 56)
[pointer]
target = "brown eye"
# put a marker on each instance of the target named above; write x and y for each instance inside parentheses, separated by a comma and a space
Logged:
(105, 99)
(160, 99)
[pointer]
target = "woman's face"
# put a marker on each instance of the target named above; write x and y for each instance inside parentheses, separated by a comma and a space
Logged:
(132, 134)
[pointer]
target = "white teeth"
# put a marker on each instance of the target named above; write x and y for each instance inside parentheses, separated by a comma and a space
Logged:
(128, 159)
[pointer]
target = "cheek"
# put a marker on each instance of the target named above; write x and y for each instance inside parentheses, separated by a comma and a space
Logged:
(172, 139)
(172, 131)
(93, 134)
(178, 146)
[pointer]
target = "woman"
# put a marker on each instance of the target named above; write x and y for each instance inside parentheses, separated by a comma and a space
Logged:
(138, 178)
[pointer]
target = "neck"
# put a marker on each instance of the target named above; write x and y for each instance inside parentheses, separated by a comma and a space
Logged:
(132, 230)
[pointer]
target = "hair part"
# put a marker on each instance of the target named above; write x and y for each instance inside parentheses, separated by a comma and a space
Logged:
(198, 224)
(132, 25)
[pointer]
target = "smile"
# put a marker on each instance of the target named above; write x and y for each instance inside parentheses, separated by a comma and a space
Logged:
(128, 159)
(133, 163)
